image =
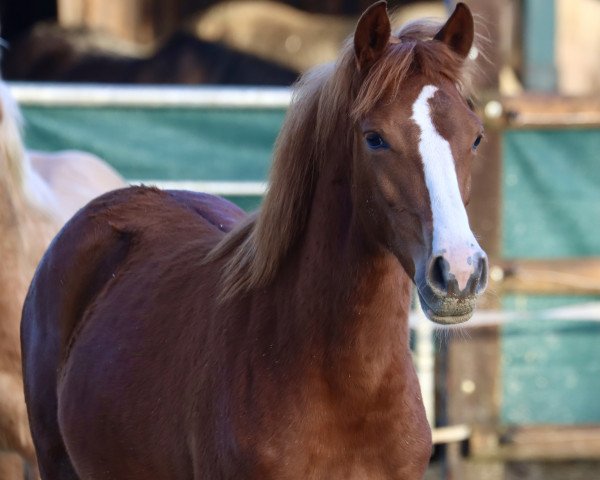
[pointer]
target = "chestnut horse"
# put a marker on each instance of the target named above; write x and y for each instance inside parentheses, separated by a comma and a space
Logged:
(39, 192)
(168, 336)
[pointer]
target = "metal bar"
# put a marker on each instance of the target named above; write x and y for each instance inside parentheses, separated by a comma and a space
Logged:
(149, 96)
(585, 312)
(236, 189)
(450, 434)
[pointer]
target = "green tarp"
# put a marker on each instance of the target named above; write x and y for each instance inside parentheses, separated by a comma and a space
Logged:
(551, 208)
(164, 144)
(551, 193)
(171, 144)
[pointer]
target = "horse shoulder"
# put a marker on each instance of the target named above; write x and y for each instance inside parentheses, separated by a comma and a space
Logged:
(89, 251)
(79, 262)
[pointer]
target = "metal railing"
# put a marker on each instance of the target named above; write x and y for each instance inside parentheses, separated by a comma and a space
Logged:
(149, 96)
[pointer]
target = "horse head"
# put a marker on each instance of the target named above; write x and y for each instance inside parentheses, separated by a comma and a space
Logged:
(415, 142)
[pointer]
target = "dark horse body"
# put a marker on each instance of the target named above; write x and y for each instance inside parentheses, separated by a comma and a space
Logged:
(166, 336)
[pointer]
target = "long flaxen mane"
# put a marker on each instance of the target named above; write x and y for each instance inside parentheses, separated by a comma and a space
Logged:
(327, 103)
(18, 179)
(12, 151)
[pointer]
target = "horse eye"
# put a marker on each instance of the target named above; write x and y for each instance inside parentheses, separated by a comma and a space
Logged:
(375, 142)
(477, 142)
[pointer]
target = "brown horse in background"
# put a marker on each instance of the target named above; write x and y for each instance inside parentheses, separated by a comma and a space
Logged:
(168, 336)
(39, 192)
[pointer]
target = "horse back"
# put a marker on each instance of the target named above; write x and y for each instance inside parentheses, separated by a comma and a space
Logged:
(88, 252)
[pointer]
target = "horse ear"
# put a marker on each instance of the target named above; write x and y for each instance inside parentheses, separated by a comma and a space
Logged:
(372, 35)
(459, 31)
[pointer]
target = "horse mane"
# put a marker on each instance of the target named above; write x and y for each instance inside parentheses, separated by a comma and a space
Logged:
(327, 103)
(12, 151)
(17, 176)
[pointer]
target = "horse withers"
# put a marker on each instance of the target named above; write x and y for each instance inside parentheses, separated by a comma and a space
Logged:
(167, 335)
(39, 191)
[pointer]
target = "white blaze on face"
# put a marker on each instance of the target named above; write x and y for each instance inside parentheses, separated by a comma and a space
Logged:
(452, 236)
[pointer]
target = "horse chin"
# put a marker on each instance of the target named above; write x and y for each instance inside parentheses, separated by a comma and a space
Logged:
(446, 310)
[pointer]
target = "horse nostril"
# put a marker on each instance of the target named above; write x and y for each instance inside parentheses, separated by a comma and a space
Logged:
(444, 282)
(437, 277)
(482, 275)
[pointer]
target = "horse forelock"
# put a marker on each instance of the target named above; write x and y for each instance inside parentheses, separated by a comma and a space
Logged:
(412, 52)
(319, 127)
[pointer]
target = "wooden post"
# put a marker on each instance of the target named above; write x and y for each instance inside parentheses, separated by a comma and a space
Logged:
(538, 443)
(568, 276)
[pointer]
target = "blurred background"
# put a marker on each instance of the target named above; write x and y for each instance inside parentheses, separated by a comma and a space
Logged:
(515, 395)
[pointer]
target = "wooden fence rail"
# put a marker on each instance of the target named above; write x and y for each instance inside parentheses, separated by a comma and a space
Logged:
(565, 276)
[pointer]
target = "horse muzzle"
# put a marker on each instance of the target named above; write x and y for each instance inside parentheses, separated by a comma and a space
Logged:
(450, 285)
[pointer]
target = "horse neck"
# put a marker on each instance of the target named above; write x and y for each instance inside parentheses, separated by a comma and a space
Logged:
(348, 301)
